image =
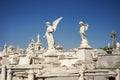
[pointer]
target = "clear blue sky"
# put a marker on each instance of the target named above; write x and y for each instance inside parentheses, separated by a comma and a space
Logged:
(22, 20)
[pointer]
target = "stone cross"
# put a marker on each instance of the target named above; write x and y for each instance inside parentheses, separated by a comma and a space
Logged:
(38, 38)
(113, 36)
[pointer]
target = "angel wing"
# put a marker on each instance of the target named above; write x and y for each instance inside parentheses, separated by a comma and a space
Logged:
(86, 27)
(55, 23)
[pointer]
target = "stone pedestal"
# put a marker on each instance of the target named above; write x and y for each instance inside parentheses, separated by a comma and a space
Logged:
(3, 73)
(51, 59)
(85, 59)
(85, 45)
(84, 54)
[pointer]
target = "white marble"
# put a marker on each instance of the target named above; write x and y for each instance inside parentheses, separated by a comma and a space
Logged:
(84, 42)
(3, 73)
(31, 75)
(81, 75)
(68, 62)
(49, 33)
(24, 60)
(9, 74)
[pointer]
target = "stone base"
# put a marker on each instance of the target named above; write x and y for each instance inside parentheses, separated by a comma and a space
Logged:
(84, 54)
(51, 59)
(52, 53)
(85, 45)
(85, 59)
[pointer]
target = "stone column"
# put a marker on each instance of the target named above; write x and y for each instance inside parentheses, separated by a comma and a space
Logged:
(81, 75)
(51, 59)
(9, 74)
(31, 75)
(3, 73)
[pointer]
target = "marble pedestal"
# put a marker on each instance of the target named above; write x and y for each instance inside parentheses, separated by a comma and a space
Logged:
(85, 59)
(85, 45)
(51, 59)
(84, 54)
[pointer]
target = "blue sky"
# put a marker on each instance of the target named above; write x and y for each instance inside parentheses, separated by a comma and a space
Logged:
(22, 20)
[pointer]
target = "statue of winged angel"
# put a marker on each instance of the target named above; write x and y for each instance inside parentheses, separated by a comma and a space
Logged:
(49, 33)
(83, 28)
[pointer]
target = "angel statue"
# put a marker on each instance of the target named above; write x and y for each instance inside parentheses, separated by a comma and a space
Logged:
(49, 31)
(83, 28)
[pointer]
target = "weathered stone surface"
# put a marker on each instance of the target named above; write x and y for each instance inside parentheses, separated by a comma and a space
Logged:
(85, 54)
(108, 61)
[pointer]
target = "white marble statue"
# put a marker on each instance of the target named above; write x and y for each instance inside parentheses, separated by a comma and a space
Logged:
(83, 28)
(84, 42)
(49, 33)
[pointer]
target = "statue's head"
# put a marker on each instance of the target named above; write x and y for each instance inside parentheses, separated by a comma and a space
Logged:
(81, 23)
(47, 23)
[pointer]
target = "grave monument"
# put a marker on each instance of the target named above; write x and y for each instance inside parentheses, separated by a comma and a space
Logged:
(38, 63)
